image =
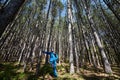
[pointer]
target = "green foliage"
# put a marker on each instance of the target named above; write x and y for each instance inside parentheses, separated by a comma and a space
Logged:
(6, 71)
(46, 69)
(60, 5)
(9, 72)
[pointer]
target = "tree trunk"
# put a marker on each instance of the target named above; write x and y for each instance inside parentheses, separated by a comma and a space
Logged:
(114, 6)
(70, 37)
(8, 13)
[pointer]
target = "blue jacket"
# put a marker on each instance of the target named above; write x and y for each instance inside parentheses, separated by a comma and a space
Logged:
(53, 57)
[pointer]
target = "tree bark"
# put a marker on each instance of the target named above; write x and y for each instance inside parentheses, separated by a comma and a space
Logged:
(71, 60)
(8, 13)
(114, 6)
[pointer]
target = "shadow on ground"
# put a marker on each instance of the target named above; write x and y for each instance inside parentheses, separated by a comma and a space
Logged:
(95, 77)
(8, 71)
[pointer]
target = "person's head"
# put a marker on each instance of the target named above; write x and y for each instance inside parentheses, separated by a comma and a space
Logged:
(52, 50)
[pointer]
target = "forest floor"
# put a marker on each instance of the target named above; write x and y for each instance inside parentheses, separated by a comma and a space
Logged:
(11, 71)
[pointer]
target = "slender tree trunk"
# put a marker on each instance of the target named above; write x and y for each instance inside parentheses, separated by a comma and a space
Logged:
(60, 36)
(21, 54)
(76, 57)
(70, 36)
(106, 64)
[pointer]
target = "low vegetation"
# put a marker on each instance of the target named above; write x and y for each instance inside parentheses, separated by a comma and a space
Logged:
(12, 71)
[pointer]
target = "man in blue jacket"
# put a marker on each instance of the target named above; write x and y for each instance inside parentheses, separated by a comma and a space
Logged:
(53, 61)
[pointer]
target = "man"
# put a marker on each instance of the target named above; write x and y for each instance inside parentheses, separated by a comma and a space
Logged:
(53, 61)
